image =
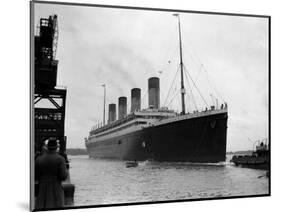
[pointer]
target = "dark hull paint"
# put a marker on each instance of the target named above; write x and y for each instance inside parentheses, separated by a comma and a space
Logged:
(201, 139)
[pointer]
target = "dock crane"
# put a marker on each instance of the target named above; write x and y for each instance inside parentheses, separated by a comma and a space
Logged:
(49, 99)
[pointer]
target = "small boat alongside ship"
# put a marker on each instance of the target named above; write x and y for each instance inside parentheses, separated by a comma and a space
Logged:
(158, 133)
(130, 164)
(258, 160)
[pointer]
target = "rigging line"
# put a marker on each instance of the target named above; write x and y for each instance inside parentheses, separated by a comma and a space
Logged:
(195, 86)
(188, 102)
(188, 107)
(192, 51)
(189, 89)
(171, 85)
(203, 67)
(191, 93)
(192, 98)
(194, 82)
(212, 98)
(144, 95)
(172, 89)
(176, 94)
(196, 62)
(211, 84)
(198, 72)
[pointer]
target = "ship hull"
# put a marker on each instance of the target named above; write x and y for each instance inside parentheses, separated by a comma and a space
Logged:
(200, 139)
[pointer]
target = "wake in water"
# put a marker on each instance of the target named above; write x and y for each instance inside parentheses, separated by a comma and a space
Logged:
(100, 181)
(151, 162)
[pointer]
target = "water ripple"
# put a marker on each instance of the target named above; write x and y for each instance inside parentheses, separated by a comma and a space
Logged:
(109, 182)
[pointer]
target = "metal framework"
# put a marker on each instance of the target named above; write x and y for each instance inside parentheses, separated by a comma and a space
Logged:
(49, 121)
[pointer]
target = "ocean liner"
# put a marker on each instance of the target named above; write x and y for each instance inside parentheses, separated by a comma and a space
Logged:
(157, 133)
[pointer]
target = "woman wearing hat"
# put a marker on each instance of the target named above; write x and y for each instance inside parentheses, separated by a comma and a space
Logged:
(50, 170)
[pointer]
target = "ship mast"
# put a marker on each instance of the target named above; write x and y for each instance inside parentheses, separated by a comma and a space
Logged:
(104, 103)
(181, 67)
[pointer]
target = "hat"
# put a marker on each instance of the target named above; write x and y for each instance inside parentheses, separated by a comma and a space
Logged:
(52, 144)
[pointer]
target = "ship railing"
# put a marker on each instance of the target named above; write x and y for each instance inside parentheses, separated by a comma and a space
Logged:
(190, 115)
(132, 116)
(120, 127)
(207, 110)
(115, 123)
(166, 110)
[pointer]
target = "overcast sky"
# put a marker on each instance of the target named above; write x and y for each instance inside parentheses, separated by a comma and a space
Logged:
(226, 56)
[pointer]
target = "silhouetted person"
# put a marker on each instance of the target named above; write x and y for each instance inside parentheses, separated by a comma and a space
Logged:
(50, 170)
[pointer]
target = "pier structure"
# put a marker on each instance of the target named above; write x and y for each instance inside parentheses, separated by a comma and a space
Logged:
(49, 99)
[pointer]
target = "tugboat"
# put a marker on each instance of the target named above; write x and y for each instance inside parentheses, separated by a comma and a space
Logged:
(258, 160)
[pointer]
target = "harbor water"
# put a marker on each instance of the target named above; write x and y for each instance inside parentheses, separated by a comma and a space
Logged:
(100, 182)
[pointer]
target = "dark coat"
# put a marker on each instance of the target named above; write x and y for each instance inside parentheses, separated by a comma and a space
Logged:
(50, 170)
